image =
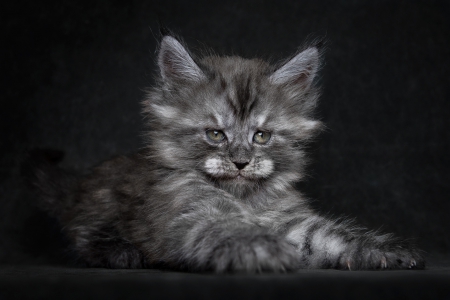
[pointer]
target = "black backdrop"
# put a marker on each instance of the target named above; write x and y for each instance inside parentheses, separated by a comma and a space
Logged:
(74, 73)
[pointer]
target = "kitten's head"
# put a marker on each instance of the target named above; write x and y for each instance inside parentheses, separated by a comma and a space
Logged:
(239, 122)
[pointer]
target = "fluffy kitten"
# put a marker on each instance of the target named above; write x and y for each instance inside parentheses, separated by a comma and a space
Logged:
(214, 188)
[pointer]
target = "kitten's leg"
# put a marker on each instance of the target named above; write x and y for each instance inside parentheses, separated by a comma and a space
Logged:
(218, 235)
(322, 243)
(102, 247)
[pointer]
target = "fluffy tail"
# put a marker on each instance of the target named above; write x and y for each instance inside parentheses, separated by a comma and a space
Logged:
(53, 185)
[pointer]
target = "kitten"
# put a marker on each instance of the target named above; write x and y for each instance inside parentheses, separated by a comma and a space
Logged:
(214, 188)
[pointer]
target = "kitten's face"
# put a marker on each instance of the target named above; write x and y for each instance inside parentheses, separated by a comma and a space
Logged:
(234, 120)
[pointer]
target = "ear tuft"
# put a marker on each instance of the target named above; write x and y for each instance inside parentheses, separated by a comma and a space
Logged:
(175, 62)
(301, 69)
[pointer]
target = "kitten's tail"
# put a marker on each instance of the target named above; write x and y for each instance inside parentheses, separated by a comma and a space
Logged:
(53, 185)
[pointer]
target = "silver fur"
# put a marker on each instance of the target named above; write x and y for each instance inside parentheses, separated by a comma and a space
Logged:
(189, 202)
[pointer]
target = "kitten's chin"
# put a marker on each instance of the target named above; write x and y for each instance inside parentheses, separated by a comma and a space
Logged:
(239, 185)
(236, 178)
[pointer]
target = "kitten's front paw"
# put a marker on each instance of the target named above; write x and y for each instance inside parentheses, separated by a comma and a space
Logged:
(395, 258)
(253, 254)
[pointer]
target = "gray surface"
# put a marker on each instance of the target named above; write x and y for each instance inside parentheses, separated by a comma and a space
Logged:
(74, 283)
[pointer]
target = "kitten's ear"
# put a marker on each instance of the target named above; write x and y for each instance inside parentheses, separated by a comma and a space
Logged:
(175, 62)
(301, 69)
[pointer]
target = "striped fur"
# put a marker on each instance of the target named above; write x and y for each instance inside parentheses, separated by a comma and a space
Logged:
(214, 188)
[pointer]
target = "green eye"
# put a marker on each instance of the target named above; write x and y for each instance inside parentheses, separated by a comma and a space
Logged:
(261, 137)
(215, 135)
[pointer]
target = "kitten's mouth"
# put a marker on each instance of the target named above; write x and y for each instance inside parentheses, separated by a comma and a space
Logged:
(240, 177)
(235, 177)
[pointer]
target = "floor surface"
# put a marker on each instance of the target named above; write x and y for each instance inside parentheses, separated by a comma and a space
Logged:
(60, 282)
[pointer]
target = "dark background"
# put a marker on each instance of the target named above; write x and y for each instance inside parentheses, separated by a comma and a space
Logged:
(74, 74)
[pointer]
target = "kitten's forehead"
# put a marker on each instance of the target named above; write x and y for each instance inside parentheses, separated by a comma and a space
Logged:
(240, 85)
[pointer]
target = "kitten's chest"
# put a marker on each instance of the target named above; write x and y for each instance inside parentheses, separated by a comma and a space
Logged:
(276, 211)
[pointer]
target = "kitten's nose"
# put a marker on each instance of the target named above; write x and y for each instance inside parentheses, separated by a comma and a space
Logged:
(240, 165)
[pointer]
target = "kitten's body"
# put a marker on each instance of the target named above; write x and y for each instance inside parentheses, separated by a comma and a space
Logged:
(214, 189)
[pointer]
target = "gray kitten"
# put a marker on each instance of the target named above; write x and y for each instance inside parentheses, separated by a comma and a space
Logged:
(214, 188)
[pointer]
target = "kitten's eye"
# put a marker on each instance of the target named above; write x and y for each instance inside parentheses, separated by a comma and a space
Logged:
(261, 137)
(215, 135)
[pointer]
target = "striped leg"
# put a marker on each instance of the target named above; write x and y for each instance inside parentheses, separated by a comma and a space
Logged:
(322, 243)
